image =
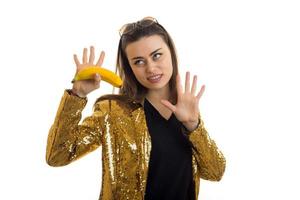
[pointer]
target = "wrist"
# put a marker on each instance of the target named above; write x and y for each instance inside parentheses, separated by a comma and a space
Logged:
(191, 126)
(74, 92)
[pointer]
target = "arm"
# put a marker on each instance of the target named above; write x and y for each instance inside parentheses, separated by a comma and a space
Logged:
(210, 160)
(67, 141)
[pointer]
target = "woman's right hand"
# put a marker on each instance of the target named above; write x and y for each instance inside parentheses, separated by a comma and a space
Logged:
(84, 87)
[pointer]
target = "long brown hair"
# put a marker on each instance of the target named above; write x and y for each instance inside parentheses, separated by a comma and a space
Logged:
(131, 88)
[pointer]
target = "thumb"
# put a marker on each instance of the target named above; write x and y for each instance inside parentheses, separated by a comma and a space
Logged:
(167, 104)
(97, 77)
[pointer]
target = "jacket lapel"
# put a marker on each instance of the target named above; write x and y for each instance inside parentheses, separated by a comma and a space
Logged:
(143, 145)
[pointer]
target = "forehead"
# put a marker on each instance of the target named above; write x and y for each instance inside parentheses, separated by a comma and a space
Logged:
(145, 46)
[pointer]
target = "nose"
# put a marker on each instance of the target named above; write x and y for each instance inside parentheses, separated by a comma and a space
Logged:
(151, 66)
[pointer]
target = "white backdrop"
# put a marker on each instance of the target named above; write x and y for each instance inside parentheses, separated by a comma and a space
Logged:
(245, 52)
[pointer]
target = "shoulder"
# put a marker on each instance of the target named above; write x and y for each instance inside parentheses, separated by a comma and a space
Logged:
(114, 102)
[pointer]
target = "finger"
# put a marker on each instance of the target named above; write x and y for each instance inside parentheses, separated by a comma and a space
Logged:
(168, 105)
(178, 85)
(194, 86)
(76, 60)
(92, 55)
(101, 58)
(84, 56)
(201, 92)
(187, 81)
(97, 77)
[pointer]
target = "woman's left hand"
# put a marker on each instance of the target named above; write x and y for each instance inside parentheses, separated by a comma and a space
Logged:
(186, 110)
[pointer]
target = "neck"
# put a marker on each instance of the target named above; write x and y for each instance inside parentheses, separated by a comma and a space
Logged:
(156, 95)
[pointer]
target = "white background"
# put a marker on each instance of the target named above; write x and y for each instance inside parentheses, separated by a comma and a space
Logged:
(245, 52)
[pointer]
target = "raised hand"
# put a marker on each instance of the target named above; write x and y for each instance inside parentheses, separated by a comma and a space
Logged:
(187, 108)
(83, 87)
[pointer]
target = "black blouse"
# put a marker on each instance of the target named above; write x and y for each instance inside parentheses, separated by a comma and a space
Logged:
(170, 166)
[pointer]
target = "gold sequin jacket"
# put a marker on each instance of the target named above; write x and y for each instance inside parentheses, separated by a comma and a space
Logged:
(120, 127)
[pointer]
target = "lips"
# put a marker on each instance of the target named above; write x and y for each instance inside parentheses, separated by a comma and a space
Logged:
(154, 77)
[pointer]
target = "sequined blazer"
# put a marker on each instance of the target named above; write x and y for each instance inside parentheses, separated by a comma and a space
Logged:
(120, 128)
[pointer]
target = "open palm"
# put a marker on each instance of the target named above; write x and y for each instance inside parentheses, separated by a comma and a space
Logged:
(83, 87)
(187, 108)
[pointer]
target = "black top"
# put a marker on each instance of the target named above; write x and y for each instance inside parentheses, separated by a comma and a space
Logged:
(170, 166)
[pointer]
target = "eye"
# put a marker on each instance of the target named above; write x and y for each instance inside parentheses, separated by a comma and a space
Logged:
(157, 55)
(139, 62)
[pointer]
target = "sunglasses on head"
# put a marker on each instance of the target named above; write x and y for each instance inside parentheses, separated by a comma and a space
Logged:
(143, 23)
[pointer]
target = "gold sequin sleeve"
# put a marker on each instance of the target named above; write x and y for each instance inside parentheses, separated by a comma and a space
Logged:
(67, 140)
(210, 160)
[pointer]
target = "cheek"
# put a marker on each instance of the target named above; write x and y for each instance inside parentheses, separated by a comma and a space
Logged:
(167, 60)
(138, 74)
(168, 65)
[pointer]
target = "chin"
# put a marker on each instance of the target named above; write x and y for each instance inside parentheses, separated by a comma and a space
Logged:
(156, 87)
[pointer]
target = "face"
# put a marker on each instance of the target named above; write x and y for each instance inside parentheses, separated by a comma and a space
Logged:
(150, 61)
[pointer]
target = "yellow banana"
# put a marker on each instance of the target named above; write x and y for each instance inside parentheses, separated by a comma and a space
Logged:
(106, 75)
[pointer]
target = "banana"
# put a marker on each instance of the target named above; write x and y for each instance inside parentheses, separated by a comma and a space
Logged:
(106, 75)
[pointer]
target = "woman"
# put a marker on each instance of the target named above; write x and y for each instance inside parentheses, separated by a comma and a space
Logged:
(154, 143)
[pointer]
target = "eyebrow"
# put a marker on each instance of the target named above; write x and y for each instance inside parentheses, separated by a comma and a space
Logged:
(139, 57)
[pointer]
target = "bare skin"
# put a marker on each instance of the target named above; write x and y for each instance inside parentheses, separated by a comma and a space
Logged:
(151, 56)
(187, 108)
(84, 87)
